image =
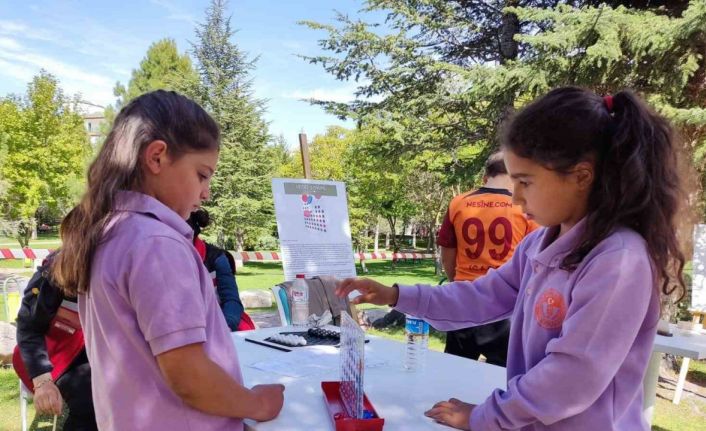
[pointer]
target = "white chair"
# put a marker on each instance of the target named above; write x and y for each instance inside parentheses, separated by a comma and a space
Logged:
(25, 396)
(282, 305)
(20, 285)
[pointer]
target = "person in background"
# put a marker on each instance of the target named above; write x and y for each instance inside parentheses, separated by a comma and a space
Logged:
(50, 357)
(480, 231)
(216, 261)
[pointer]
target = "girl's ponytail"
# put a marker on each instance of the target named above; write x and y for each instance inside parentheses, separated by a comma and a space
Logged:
(642, 154)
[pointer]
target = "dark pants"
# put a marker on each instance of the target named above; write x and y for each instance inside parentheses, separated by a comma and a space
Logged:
(489, 340)
(75, 388)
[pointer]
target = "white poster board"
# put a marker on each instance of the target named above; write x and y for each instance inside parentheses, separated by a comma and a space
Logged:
(698, 283)
(313, 226)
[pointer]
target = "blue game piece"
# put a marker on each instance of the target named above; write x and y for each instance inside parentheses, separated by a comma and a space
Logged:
(367, 414)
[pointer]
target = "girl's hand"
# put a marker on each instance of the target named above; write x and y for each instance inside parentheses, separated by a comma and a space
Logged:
(47, 399)
(371, 291)
(271, 399)
(454, 413)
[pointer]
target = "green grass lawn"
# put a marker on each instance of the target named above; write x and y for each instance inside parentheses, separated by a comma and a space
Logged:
(263, 275)
(10, 407)
(690, 414)
(437, 339)
(50, 241)
(15, 263)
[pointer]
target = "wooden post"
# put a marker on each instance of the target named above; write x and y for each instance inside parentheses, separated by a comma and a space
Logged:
(304, 146)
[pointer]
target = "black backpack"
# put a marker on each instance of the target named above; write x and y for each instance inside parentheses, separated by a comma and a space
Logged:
(213, 253)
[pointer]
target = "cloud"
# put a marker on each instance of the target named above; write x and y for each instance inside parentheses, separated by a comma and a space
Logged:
(23, 63)
(338, 94)
(86, 57)
(8, 43)
(175, 12)
(19, 28)
(21, 73)
(10, 27)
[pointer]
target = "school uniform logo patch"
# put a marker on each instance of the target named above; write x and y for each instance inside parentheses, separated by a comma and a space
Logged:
(550, 309)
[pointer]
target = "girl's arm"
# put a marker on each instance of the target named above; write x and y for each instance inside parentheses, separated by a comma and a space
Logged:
(463, 304)
(166, 292)
(610, 309)
(205, 386)
(448, 261)
(40, 303)
(228, 294)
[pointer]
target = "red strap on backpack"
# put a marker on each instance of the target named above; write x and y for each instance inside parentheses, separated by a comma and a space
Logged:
(200, 246)
(246, 323)
(64, 343)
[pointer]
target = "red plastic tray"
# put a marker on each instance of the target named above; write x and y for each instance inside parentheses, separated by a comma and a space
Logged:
(337, 412)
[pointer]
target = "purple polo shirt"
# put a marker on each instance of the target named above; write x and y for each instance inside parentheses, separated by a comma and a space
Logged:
(149, 293)
(580, 341)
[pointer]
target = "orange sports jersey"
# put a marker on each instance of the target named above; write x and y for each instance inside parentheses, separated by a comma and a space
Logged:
(484, 227)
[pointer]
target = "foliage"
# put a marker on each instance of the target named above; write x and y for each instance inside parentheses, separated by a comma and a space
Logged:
(45, 153)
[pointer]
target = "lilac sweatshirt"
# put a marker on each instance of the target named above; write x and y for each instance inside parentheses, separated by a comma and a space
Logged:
(580, 341)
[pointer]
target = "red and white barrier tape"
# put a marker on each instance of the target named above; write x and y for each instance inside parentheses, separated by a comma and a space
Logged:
(245, 256)
(272, 256)
(393, 256)
(24, 253)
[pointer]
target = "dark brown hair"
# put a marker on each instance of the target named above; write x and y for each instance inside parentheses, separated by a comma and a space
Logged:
(199, 220)
(159, 115)
(636, 179)
(495, 165)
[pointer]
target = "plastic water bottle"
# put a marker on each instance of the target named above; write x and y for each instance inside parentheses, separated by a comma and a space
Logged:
(300, 301)
(417, 332)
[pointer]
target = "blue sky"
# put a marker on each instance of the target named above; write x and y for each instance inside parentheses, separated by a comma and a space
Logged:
(89, 45)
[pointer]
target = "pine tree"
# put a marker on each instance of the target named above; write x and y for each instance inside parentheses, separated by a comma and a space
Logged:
(161, 68)
(241, 200)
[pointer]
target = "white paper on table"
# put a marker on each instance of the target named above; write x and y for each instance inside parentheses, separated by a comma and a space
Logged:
(289, 369)
(308, 361)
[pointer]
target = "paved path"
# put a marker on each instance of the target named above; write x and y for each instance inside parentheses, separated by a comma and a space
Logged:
(265, 320)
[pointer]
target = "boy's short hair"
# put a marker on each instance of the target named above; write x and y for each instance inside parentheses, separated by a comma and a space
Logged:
(495, 165)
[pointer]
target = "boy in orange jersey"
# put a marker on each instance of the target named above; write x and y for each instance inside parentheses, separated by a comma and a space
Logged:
(480, 231)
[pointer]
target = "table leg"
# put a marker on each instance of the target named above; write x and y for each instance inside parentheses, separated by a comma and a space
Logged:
(650, 387)
(682, 378)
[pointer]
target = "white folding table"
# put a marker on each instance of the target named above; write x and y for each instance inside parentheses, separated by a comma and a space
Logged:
(688, 345)
(399, 396)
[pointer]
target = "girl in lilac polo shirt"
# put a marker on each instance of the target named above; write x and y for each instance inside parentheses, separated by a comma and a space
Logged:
(583, 292)
(160, 350)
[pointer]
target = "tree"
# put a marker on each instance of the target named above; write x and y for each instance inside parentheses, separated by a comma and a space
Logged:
(241, 198)
(47, 152)
(396, 190)
(661, 56)
(328, 157)
(377, 184)
(442, 75)
(409, 71)
(428, 192)
(161, 68)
